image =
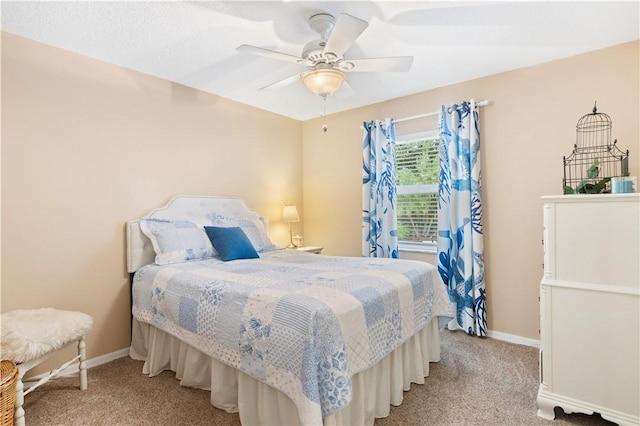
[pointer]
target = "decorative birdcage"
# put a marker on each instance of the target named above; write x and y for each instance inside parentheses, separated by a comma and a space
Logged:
(595, 159)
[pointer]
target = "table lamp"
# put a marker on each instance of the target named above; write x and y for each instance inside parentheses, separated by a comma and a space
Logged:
(290, 215)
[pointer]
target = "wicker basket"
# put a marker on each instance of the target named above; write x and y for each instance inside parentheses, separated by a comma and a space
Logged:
(8, 378)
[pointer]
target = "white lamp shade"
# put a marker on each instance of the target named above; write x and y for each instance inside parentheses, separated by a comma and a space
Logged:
(290, 214)
(323, 82)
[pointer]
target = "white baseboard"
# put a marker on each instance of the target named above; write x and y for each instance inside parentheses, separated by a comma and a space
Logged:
(498, 335)
(73, 369)
(512, 338)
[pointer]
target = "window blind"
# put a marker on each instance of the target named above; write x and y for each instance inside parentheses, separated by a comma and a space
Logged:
(417, 169)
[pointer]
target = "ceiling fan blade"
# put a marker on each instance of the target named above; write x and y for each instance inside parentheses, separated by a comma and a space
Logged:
(245, 48)
(392, 64)
(282, 83)
(346, 30)
(344, 91)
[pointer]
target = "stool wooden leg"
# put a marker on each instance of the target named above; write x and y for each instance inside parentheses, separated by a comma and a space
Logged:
(18, 414)
(82, 352)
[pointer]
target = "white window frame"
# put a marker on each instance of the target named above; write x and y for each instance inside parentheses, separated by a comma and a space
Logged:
(430, 247)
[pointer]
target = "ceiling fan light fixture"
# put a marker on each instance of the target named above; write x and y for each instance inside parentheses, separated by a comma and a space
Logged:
(323, 82)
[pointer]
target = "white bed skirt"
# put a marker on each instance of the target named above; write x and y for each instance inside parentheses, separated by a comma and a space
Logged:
(374, 390)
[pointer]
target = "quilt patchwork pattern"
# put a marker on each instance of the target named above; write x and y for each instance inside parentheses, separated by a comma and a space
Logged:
(299, 322)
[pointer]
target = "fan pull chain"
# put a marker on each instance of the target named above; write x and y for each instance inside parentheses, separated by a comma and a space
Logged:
(323, 112)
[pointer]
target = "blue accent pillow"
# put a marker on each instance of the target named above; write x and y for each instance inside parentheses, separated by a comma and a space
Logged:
(255, 228)
(231, 243)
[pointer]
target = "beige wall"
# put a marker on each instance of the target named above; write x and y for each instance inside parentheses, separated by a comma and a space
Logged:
(87, 146)
(525, 131)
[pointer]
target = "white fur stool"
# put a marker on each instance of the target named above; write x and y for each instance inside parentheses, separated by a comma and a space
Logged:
(30, 336)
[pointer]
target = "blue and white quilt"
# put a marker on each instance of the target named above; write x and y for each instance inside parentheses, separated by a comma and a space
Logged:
(302, 323)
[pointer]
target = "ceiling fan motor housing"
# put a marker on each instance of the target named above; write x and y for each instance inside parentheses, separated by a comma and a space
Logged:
(314, 50)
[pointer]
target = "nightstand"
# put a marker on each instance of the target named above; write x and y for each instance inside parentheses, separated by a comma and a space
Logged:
(310, 249)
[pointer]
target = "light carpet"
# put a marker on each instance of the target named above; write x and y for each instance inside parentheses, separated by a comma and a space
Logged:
(477, 382)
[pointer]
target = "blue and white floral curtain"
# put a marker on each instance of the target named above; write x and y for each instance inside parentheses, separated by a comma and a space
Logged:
(460, 245)
(379, 198)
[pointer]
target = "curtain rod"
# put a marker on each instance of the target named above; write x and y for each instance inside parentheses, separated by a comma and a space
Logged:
(431, 114)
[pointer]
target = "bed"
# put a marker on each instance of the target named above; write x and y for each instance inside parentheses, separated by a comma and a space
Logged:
(285, 336)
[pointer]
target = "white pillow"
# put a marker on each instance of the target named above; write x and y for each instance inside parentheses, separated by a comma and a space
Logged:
(255, 230)
(177, 241)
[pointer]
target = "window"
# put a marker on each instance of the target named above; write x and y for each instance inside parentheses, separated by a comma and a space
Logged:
(418, 169)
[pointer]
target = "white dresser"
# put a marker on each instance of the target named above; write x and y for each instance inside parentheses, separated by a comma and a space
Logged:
(590, 307)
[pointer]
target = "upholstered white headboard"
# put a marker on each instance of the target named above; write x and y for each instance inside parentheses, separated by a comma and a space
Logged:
(182, 207)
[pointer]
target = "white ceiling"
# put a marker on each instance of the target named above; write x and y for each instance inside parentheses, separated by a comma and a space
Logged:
(194, 43)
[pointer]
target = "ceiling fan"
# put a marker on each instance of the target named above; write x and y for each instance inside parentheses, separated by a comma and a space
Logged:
(325, 56)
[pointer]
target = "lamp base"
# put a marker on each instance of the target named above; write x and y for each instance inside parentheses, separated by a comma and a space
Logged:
(291, 243)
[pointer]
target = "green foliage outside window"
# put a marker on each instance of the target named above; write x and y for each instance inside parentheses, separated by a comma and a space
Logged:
(417, 170)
